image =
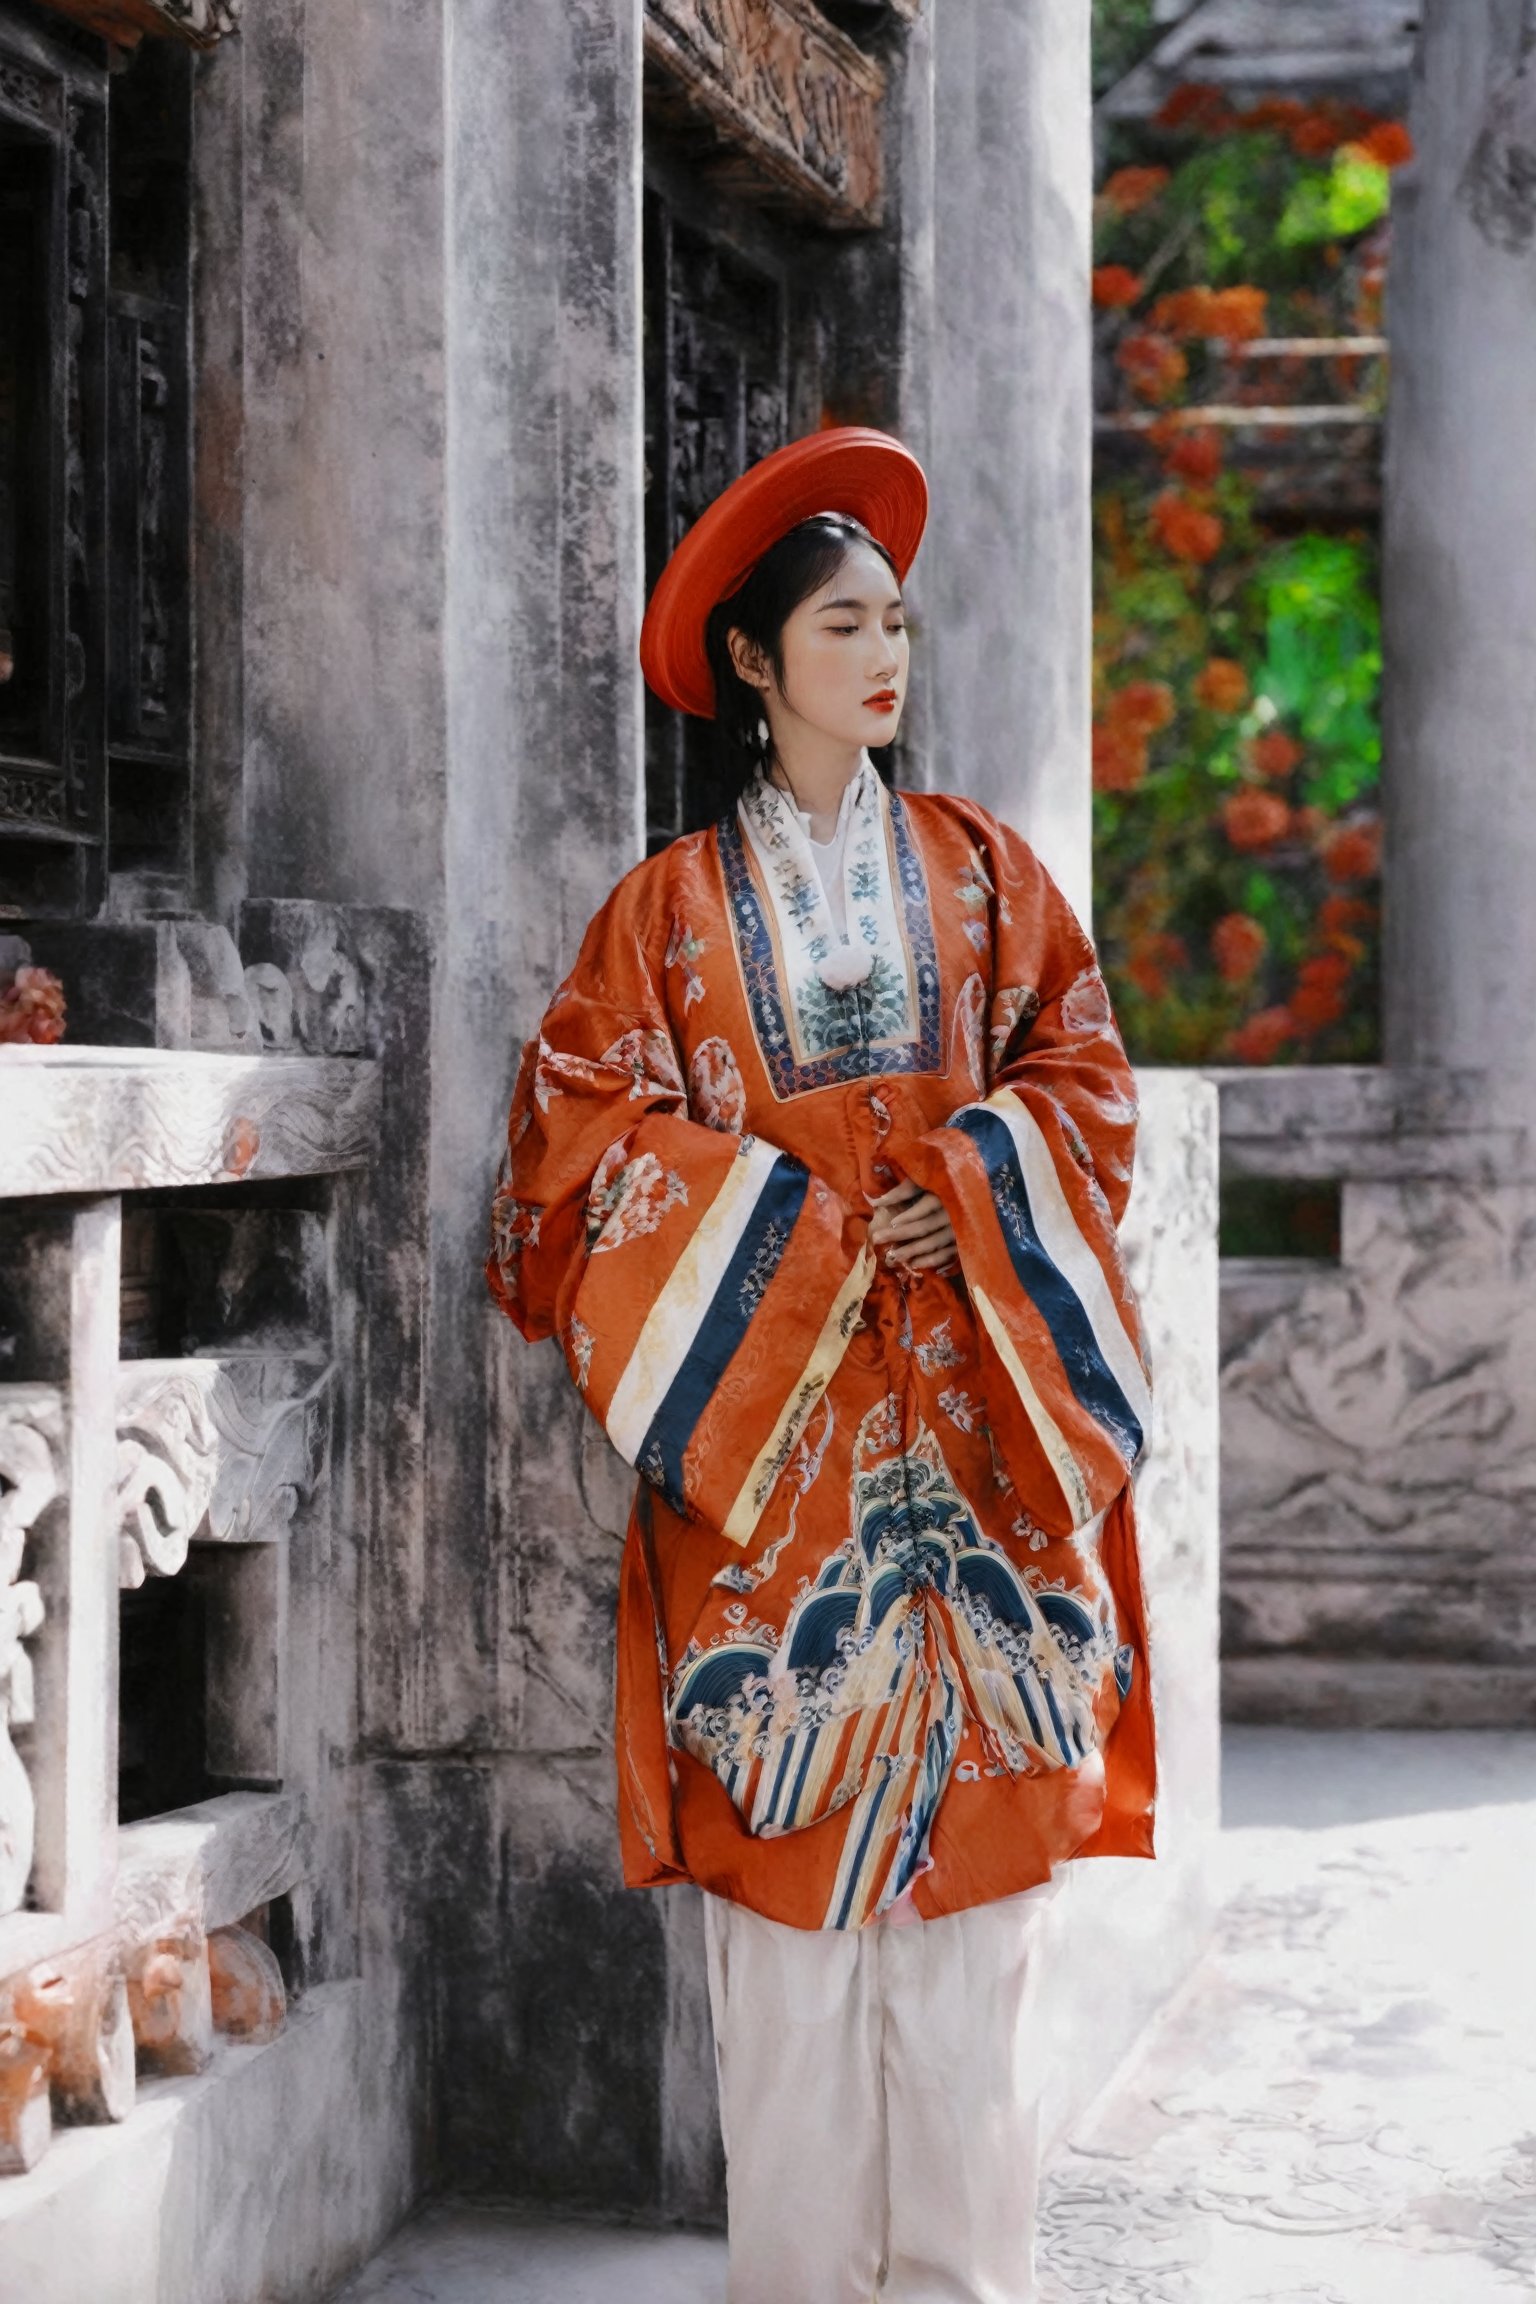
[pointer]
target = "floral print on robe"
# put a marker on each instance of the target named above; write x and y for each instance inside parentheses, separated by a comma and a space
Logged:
(881, 1630)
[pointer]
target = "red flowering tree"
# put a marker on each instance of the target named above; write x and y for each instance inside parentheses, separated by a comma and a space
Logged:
(1236, 748)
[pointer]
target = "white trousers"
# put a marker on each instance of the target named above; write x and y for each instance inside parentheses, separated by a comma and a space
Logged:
(880, 2102)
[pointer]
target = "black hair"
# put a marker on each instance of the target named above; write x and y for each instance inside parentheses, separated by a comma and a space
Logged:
(788, 572)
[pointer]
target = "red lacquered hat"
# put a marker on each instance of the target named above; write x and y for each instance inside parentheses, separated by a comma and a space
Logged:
(851, 469)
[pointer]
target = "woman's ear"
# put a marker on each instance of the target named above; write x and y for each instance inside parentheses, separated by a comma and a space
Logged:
(750, 663)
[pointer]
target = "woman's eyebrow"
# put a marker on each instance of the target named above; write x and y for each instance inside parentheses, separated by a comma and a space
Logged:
(823, 605)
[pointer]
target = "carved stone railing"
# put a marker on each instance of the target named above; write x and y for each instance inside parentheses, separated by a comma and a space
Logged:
(132, 1120)
(789, 105)
(31, 1431)
(129, 1948)
(171, 1968)
(1378, 1425)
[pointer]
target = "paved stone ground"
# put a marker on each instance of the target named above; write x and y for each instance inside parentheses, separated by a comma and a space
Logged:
(1341, 2106)
(1339, 2109)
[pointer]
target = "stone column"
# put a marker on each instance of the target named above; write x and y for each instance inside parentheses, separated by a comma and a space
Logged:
(1460, 563)
(1005, 423)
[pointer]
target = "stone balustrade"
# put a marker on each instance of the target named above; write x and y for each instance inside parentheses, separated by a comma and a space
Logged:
(127, 1950)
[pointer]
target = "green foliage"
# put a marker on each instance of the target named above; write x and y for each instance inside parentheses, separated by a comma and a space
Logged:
(1123, 31)
(1355, 193)
(1299, 615)
(1321, 669)
(1235, 194)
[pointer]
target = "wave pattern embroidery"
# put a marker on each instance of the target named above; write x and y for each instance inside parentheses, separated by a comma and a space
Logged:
(917, 1623)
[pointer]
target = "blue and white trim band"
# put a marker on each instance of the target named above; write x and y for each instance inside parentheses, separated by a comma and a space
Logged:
(1059, 1270)
(703, 1312)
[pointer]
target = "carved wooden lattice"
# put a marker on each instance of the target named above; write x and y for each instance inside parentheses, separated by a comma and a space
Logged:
(94, 616)
(148, 765)
(53, 462)
(792, 104)
(717, 398)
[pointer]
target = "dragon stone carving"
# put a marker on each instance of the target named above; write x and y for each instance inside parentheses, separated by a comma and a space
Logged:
(212, 1449)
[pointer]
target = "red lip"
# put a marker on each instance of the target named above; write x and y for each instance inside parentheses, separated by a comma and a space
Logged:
(884, 700)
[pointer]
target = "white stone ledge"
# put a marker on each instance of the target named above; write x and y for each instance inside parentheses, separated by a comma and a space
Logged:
(216, 1861)
(1366, 1122)
(253, 2180)
(213, 1863)
(131, 1119)
(1378, 1692)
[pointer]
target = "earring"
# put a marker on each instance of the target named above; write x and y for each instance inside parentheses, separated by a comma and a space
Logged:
(763, 735)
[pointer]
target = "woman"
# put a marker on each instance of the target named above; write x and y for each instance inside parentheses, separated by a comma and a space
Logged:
(814, 1170)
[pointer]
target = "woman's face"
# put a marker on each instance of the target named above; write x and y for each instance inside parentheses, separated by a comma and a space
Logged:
(845, 657)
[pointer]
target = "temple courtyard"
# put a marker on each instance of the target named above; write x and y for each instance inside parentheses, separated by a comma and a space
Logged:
(1338, 2107)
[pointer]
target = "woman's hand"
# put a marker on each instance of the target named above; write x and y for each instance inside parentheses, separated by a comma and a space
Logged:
(911, 1228)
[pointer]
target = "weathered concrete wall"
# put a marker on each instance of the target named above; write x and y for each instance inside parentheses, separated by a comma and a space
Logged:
(419, 482)
(344, 747)
(1003, 415)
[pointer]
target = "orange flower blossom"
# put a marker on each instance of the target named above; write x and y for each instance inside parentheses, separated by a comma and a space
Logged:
(1131, 188)
(1275, 754)
(1151, 958)
(1315, 1006)
(1254, 820)
(1191, 452)
(1115, 286)
(1389, 144)
(32, 1007)
(1152, 365)
(1221, 685)
(1198, 107)
(1184, 530)
(1342, 915)
(1142, 707)
(1260, 1039)
(1119, 759)
(1232, 315)
(1238, 944)
(1353, 852)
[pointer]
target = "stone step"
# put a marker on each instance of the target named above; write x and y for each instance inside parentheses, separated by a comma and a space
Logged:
(452, 2254)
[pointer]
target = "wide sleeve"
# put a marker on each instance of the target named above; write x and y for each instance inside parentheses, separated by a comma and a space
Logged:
(1035, 1177)
(703, 1285)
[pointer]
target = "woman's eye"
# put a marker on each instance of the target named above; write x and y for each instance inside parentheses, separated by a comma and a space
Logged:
(842, 627)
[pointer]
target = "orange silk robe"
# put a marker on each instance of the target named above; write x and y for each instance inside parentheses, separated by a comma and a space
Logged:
(880, 1621)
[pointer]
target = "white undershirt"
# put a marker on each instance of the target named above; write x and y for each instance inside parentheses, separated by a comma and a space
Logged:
(827, 855)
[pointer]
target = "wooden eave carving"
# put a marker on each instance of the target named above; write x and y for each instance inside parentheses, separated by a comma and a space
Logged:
(124, 22)
(788, 106)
